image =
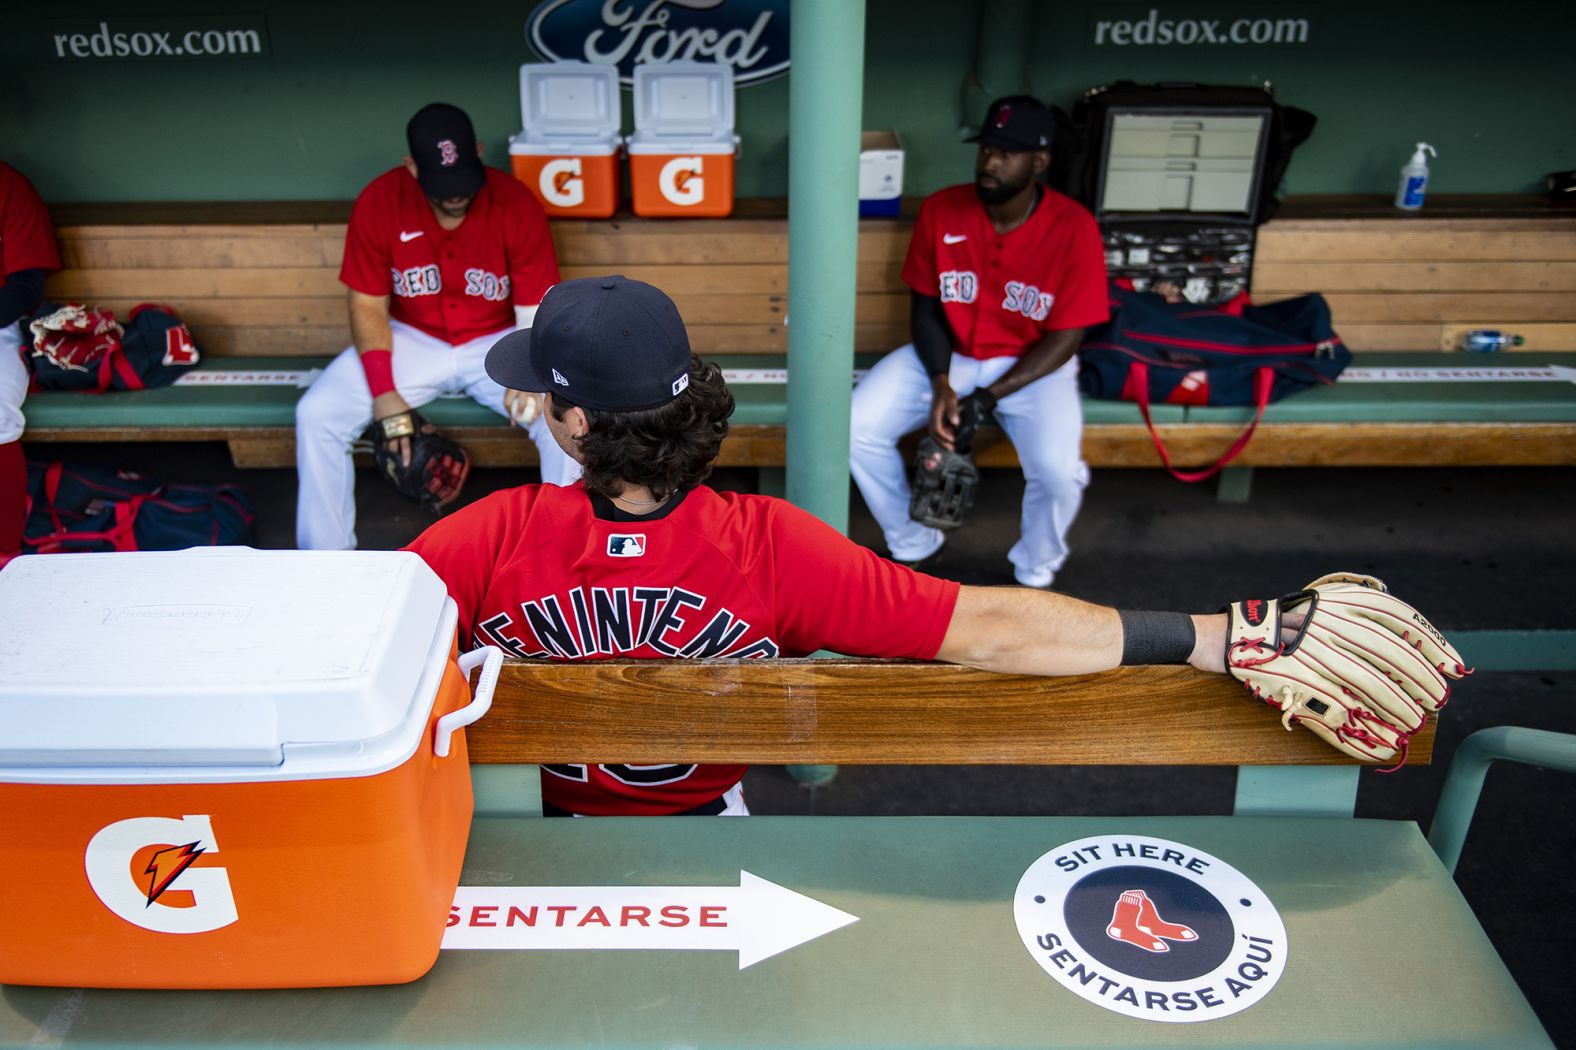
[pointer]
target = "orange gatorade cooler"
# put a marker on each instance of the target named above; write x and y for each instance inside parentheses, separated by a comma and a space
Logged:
(568, 151)
(681, 154)
(230, 768)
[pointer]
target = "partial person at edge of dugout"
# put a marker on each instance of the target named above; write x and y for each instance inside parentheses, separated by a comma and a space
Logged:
(27, 254)
(1006, 274)
(640, 559)
(442, 256)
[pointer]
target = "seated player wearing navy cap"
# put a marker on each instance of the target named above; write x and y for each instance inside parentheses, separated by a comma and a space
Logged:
(443, 254)
(1006, 274)
(641, 559)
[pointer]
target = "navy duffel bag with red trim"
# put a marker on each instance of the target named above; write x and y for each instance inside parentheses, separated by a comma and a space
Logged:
(81, 508)
(1158, 352)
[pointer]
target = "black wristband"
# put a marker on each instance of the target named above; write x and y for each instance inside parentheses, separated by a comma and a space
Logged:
(1156, 637)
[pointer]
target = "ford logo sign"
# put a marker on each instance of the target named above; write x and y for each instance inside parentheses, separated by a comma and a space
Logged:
(749, 35)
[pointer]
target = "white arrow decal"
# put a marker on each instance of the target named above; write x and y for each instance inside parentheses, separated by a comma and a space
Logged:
(757, 918)
(1537, 374)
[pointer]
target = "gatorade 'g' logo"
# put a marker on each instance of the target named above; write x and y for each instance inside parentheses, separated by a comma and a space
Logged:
(680, 181)
(137, 892)
(561, 184)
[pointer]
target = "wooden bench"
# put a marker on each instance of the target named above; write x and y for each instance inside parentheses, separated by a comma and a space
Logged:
(258, 283)
(1379, 944)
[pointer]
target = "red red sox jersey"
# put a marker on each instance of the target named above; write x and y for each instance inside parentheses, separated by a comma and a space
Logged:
(552, 573)
(1003, 292)
(455, 285)
(27, 241)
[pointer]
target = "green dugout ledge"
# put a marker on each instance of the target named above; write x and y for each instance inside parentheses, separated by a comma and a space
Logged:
(1379, 949)
(1415, 420)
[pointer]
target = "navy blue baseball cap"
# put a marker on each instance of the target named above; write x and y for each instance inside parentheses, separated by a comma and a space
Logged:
(443, 145)
(1017, 124)
(606, 343)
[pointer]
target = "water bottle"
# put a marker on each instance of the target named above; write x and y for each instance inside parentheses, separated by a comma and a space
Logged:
(1489, 340)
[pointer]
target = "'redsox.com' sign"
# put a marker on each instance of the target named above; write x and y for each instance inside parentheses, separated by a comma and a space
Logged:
(749, 35)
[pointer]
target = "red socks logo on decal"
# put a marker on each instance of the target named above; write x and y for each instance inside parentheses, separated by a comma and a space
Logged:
(1135, 920)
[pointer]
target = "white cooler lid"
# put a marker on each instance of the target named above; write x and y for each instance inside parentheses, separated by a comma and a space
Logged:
(569, 102)
(226, 663)
(684, 100)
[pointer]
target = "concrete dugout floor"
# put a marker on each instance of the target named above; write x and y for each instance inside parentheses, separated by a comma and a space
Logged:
(1475, 549)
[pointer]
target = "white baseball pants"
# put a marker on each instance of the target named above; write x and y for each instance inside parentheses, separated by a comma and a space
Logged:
(1044, 421)
(338, 408)
(13, 384)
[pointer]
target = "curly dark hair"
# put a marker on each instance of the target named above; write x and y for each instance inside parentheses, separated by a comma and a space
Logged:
(666, 449)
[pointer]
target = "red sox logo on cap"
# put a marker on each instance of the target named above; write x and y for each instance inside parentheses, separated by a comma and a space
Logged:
(1003, 114)
(448, 156)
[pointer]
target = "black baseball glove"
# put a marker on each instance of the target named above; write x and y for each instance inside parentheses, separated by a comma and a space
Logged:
(438, 467)
(945, 481)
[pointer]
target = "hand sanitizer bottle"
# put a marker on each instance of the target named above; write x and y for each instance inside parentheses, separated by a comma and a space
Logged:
(1414, 179)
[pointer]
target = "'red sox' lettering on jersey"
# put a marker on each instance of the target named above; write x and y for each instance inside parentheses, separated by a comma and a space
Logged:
(1003, 292)
(455, 285)
(546, 573)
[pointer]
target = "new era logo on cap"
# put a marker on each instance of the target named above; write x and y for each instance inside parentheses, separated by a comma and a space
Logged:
(558, 377)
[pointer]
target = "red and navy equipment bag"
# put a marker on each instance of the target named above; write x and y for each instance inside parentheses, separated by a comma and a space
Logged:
(86, 509)
(152, 349)
(1155, 351)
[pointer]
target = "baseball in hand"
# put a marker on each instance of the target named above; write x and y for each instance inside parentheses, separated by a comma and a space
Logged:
(522, 408)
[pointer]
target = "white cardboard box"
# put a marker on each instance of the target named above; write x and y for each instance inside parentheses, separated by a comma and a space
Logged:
(880, 173)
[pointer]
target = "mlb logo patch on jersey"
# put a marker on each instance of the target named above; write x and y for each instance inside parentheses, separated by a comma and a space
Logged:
(625, 545)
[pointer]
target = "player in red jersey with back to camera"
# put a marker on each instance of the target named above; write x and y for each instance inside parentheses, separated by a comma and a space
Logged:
(642, 560)
(443, 255)
(1006, 274)
(27, 254)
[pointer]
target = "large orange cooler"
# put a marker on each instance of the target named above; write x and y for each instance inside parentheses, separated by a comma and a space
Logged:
(567, 152)
(229, 768)
(682, 152)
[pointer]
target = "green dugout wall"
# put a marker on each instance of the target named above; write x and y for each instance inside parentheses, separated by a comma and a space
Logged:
(322, 111)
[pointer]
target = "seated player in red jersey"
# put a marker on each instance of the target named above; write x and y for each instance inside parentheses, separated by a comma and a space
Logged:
(640, 559)
(442, 256)
(1006, 274)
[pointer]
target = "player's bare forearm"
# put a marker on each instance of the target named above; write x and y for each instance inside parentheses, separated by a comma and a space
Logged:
(1040, 360)
(369, 322)
(1019, 630)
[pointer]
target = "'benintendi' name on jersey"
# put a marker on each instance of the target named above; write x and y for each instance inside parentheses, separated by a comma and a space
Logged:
(1003, 292)
(548, 572)
(455, 285)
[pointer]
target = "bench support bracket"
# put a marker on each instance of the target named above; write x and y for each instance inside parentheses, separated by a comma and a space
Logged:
(1296, 791)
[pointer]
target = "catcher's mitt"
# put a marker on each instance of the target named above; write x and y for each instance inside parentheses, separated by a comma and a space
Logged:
(438, 467)
(944, 482)
(1363, 671)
